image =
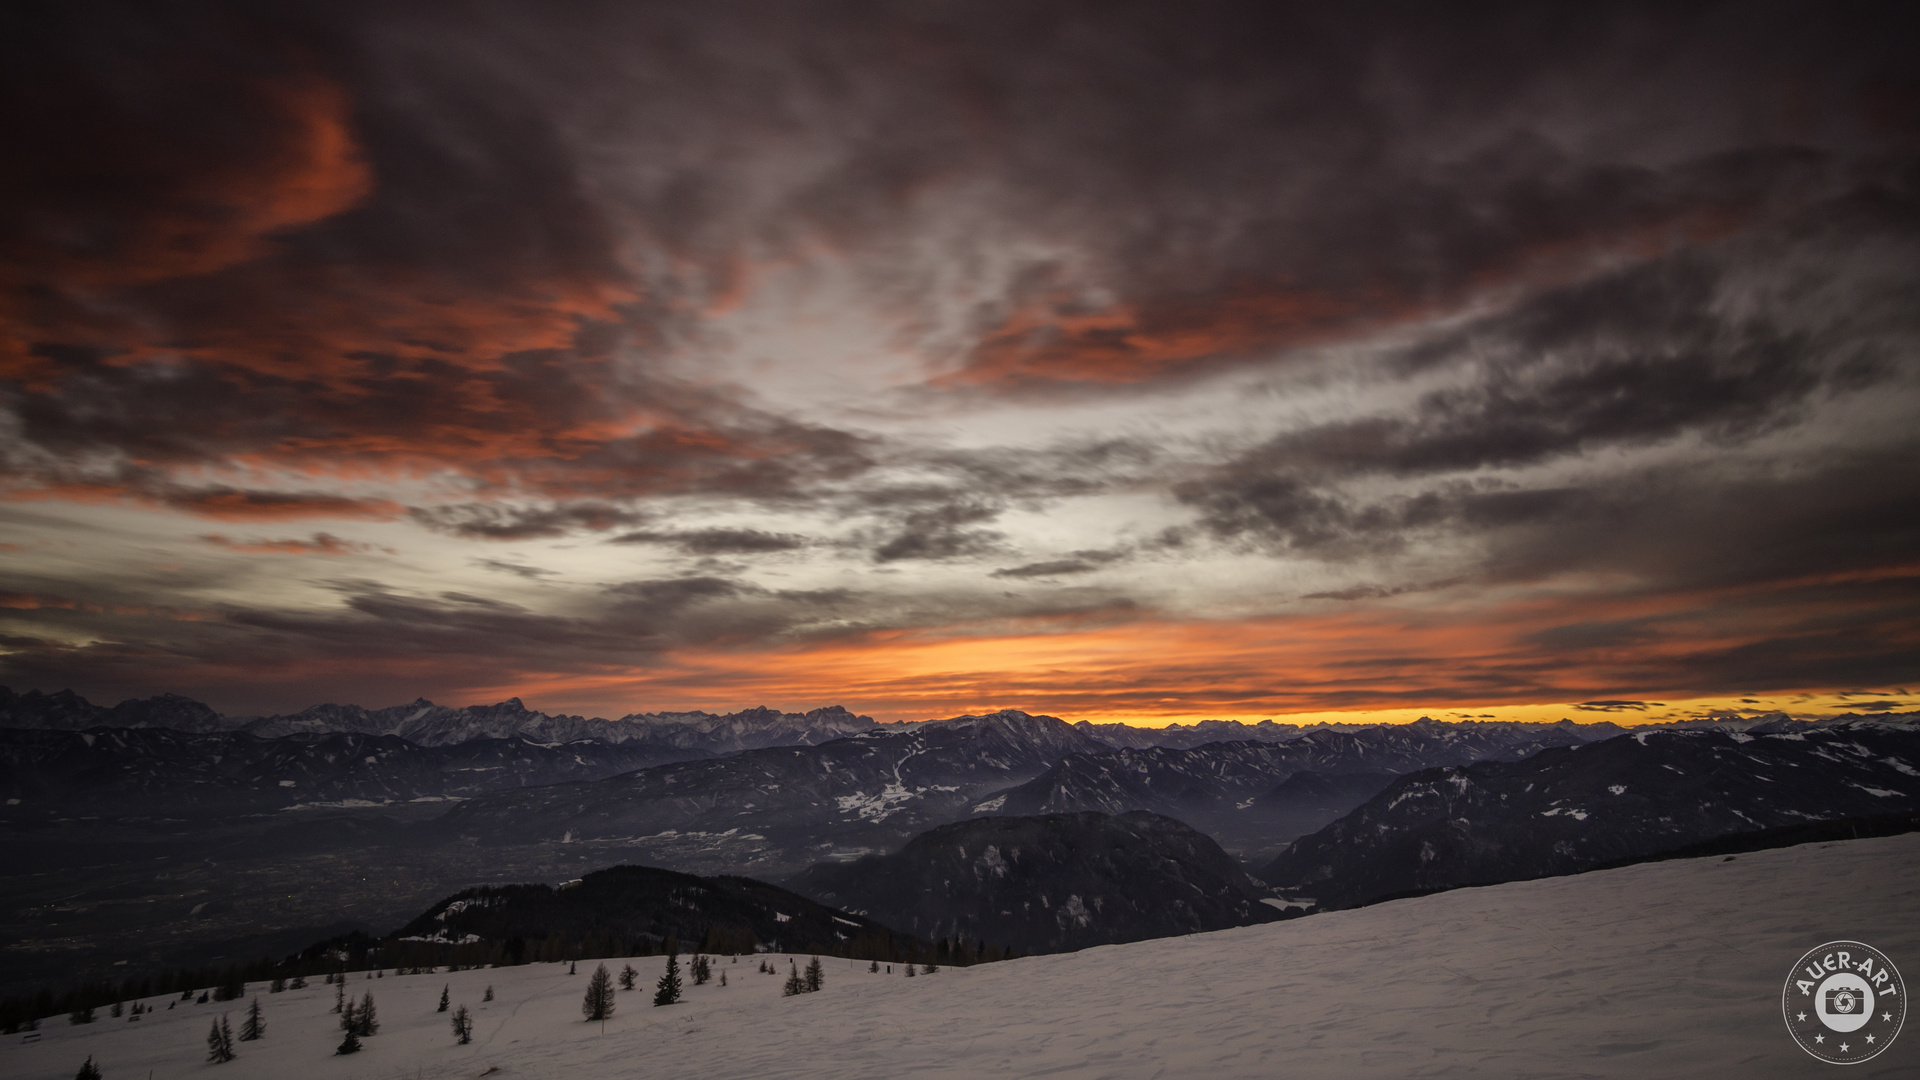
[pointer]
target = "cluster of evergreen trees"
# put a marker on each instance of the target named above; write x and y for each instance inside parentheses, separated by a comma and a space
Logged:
(360, 953)
(359, 1020)
(808, 983)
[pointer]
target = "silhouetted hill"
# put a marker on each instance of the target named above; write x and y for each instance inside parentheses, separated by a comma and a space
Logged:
(1048, 884)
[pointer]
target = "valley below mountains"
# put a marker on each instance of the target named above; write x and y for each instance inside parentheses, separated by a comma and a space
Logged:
(157, 832)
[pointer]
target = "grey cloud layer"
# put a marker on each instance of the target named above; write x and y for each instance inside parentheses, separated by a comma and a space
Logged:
(1624, 290)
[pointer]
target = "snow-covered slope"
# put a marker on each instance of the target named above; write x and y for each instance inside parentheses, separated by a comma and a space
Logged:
(1661, 970)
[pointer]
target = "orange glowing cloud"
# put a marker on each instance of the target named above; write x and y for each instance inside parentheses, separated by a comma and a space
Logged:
(1438, 654)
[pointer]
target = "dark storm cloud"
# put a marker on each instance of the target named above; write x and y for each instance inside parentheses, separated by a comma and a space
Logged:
(1720, 346)
(1077, 562)
(531, 573)
(418, 236)
(941, 533)
(489, 521)
(716, 541)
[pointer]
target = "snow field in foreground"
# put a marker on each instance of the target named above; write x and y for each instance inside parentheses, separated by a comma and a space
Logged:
(1665, 969)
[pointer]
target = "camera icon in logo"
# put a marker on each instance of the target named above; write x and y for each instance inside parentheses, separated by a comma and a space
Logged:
(1844, 1002)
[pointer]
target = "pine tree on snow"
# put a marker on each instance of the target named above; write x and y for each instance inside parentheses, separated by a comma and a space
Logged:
(816, 975)
(350, 1044)
(340, 995)
(462, 1025)
(88, 1070)
(220, 1042)
(488, 996)
(363, 1020)
(873, 968)
(253, 1027)
(598, 1004)
(667, 990)
(443, 999)
(794, 984)
(299, 983)
(723, 978)
(627, 975)
(119, 1010)
(702, 971)
(348, 1023)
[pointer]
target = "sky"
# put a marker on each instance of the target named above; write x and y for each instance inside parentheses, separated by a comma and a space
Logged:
(1118, 361)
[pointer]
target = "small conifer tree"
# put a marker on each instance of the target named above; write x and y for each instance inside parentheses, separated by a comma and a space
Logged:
(299, 983)
(929, 969)
(723, 978)
(667, 990)
(488, 996)
(794, 984)
(909, 971)
(220, 1042)
(349, 1045)
(627, 975)
(598, 1004)
(873, 968)
(253, 1027)
(462, 1025)
(443, 998)
(278, 986)
(363, 1020)
(348, 1022)
(340, 995)
(119, 1010)
(88, 1070)
(816, 975)
(702, 971)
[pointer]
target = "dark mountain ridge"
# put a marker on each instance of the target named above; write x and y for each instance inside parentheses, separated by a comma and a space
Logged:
(1053, 883)
(776, 810)
(1234, 791)
(427, 724)
(628, 910)
(158, 773)
(1573, 808)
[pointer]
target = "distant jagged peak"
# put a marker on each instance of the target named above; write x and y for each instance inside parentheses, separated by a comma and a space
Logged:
(1001, 717)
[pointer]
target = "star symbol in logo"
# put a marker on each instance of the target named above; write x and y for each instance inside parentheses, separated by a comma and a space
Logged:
(1803, 1018)
(1843, 1048)
(1819, 1038)
(1883, 1016)
(1869, 1038)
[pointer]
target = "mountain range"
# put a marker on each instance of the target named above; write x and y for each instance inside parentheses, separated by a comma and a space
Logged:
(428, 724)
(1573, 808)
(774, 811)
(1243, 794)
(161, 773)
